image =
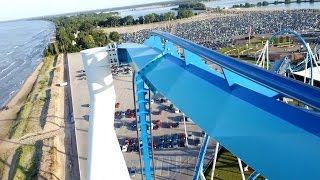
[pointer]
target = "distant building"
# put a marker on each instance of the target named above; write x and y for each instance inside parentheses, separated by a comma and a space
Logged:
(111, 49)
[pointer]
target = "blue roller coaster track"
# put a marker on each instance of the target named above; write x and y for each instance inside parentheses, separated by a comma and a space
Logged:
(239, 107)
(308, 59)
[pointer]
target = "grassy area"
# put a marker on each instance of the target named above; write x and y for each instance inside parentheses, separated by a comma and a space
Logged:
(28, 161)
(3, 159)
(227, 167)
(34, 102)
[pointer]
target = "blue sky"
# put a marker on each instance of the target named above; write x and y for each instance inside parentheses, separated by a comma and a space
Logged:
(16, 9)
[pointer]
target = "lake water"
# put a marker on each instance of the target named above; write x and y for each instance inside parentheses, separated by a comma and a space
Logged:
(229, 4)
(21, 48)
(218, 3)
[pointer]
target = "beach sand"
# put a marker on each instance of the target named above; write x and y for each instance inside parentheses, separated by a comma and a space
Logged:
(16, 102)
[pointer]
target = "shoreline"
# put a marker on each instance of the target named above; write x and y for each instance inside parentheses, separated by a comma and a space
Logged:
(22, 84)
(16, 102)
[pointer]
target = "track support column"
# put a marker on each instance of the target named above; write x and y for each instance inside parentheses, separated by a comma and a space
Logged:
(142, 112)
(201, 157)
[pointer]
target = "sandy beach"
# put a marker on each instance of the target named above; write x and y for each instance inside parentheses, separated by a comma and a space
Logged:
(16, 102)
(43, 133)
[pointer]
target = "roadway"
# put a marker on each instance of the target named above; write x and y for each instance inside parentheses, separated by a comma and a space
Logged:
(80, 100)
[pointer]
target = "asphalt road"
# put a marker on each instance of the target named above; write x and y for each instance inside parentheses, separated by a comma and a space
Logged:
(80, 100)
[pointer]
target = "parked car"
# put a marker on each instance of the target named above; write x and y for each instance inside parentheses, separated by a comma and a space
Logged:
(190, 136)
(203, 133)
(130, 148)
(175, 125)
(125, 148)
(197, 142)
(175, 144)
(132, 172)
(182, 143)
(167, 138)
(175, 137)
(182, 136)
(158, 122)
(161, 138)
(160, 146)
(176, 110)
(171, 107)
(167, 145)
(156, 127)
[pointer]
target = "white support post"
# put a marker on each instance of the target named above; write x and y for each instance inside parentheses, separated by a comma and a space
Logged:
(202, 177)
(305, 71)
(241, 169)
(185, 129)
(267, 54)
(214, 160)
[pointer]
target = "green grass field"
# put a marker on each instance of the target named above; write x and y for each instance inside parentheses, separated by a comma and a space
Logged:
(227, 168)
(28, 162)
(34, 101)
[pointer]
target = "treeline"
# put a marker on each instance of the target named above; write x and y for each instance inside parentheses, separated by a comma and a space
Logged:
(76, 33)
(191, 6)
(265, 3)
(115, 21)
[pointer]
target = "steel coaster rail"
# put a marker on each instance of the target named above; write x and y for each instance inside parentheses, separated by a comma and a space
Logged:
(285, 86)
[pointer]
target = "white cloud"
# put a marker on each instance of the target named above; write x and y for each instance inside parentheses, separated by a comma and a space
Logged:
(16, 9)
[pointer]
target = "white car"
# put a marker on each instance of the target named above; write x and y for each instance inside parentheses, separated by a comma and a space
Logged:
(190, 136)
(176, 110)
(151, 101)
(125, 148)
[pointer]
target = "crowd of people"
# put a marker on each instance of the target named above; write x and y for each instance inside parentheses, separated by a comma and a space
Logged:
(220, 31)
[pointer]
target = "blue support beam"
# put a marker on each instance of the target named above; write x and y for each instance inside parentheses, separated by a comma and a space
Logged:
(254, 175)
(252, 125)
(201, 156)
(143, 124)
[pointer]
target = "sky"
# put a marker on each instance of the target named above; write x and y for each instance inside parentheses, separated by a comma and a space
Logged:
(17, 9)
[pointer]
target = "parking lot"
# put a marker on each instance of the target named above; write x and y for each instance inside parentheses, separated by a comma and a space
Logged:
(171, 159)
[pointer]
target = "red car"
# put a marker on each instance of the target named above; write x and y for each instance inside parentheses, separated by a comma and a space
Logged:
(156, 127)
(183, 136)
(117, 105)
(158, 122)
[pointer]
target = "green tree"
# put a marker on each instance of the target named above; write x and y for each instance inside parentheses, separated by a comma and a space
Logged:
(276, 2)
(282, 39)
(114, 36)
(259, 4)
(149, 18)
(265, 3)
(169, 16)
(141, 20)
(86, 26)
(86, 41)
(298, 1)
(247, 5)
(128, 20)
(63, 38)
(100, 37)
(185, 13)
(276, 41)
(287, 1)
